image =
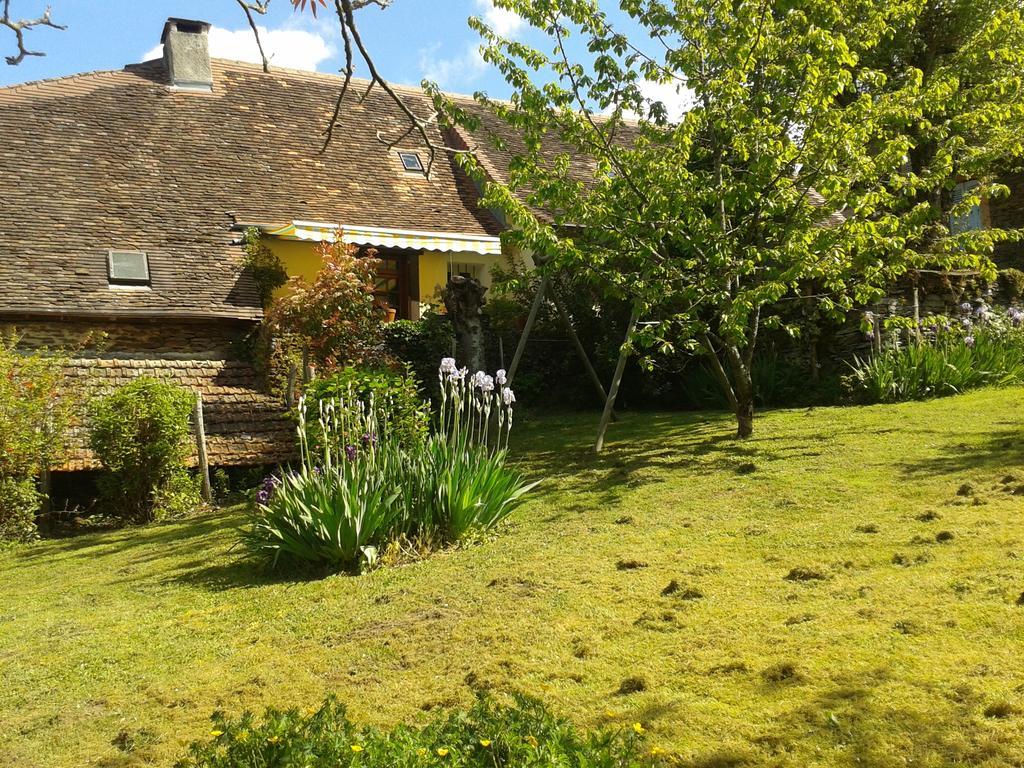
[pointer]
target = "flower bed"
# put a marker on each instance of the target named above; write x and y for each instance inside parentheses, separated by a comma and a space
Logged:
(364, 485)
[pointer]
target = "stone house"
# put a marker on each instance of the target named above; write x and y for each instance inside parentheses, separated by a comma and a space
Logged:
(124, 196)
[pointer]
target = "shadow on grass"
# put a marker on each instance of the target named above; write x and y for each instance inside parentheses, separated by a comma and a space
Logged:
(642, 449)
(861, 726)
(1002, 450)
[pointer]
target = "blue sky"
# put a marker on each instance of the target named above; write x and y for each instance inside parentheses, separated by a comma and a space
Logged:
(410, 40)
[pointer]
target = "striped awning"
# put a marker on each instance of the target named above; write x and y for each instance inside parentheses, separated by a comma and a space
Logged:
(382, 237)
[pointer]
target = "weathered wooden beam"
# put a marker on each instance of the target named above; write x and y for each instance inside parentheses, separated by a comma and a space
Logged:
(201, 455)
(525, 335)
(620, 367)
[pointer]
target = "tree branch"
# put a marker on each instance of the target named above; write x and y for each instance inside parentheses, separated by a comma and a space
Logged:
(260, 8)
(19, 26)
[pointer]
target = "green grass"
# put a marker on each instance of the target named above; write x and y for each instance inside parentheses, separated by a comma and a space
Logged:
(115, 647)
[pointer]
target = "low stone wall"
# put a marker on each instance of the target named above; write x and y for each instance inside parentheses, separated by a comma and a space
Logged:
(183, 339)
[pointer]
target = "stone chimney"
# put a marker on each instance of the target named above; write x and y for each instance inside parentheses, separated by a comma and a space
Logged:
(187, 54)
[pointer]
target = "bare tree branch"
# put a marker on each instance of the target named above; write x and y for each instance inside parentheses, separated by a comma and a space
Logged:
(354, 46)
(261, 8)
(19, 26)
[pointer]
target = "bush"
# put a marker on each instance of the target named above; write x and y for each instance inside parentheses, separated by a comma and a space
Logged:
(33, 410)
(33, 419)
(361, 486)
(266, 268)
(488, 735)
(401, 409)
(141, 434)
(19, 505)
(420, 344)
(336, 316)
(980, 348)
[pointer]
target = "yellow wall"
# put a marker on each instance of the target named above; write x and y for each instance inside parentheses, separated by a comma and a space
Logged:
(302, 258)
(299, 257)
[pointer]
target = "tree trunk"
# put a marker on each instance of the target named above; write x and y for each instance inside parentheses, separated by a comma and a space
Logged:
(743, 386)
(464, 301)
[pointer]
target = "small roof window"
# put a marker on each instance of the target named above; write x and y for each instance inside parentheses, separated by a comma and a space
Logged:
(411, 161)
(128, 267)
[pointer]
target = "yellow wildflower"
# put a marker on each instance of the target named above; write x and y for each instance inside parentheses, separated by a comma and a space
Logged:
(485, 742)
(216, 733)
(531, 741)
(273, 739)
(655, 751)
(357, 747)
(609, 713)
(442, 751)
(638, 728)
(421, 751)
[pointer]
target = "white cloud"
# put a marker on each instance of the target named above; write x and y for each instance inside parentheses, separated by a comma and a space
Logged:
(457, 71)
(677, 98)
(503, 22)
(288, 48)
(468, 66)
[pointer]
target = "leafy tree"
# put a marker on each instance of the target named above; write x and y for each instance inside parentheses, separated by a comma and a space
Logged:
(788, 176)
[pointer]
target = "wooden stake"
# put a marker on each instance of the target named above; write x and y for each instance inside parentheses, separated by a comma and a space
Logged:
(917, 315)
(620, 368)
(289, 395)
(204, 464)
(580, 351)
(530, 320)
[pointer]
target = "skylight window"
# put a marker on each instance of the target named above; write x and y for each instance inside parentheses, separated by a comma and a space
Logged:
(128, 268)
(411, 161)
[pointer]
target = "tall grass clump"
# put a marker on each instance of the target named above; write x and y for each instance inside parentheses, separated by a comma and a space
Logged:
(946, 356)
(364, 483)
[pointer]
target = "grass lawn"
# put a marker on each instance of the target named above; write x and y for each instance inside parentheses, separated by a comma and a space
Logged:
(886, 647)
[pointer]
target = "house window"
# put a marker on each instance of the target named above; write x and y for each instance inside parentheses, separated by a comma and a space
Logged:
(411, 161)
(127, 268)
(464, 270)
(392, 287)
(971, 220)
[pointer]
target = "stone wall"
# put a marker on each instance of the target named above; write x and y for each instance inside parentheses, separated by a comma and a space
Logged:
(168, 339)
(1008, 213)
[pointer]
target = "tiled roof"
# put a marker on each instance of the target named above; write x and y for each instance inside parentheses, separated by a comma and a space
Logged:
(244, 426)
(117, 160)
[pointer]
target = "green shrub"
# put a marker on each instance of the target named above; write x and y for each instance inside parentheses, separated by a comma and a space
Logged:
(33, 410)
(979, 349)
(489, 735)
(361, 487)
(33, 418)
(401, 410)
(265, 267)
(420, 344)
(141, 434)
(19, 505)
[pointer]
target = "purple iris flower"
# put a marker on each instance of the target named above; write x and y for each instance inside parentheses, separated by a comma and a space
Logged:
(369, 439)
(969, 341)
(350, 452)
(965, 307)
(262, 496)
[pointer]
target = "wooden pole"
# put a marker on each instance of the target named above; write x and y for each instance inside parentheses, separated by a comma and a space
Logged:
(917, 315)
(580, 351)
(204, 463)
(620, 368)
(530, 320)
(289, 395)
